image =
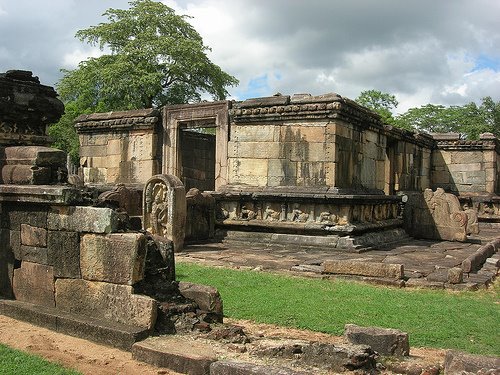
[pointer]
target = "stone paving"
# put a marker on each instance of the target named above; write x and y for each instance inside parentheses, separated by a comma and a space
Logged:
(426, 263)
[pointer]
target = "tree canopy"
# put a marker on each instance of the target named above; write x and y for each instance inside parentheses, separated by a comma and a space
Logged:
(151, 57)
(470, 120)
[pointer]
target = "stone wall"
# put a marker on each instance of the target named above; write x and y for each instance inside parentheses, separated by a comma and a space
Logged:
(119, 147)
(58, 255)
(323, 140)
(466, 167)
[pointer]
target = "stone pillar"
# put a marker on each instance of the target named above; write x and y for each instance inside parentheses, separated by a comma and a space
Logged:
(164, 208)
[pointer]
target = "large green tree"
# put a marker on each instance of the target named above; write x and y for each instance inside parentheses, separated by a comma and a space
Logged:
(380, 102)
(151, 57)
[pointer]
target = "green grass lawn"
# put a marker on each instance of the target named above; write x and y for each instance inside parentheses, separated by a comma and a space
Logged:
(15, 362)
(468, 321)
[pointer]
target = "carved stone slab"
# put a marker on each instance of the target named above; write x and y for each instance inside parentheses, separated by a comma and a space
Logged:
(164, 208)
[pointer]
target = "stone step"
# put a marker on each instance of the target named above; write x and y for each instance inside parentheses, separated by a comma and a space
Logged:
(104, 332)
(176, 353)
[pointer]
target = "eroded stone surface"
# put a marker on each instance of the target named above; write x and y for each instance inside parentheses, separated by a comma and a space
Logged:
(116, 258)
(105, 301)
(34, 283)
(364, 268)
(64, 253)
(458, 362)
(383, 340)
(82, 219)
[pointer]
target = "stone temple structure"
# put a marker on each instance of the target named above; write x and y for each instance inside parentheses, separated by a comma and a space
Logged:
(315, 170)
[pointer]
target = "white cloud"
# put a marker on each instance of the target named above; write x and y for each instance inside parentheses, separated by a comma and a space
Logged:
(73, 58)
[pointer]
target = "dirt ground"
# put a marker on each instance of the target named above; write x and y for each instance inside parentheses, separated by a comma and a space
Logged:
(90, 358)
(82, 355)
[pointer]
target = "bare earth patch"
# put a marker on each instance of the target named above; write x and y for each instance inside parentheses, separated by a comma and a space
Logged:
(90, 358)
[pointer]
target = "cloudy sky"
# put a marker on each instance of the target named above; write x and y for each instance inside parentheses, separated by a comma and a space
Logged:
(423, 51)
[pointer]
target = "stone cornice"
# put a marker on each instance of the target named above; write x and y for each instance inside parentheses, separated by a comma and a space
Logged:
(463, 145)
(117, 121)
(300, 107)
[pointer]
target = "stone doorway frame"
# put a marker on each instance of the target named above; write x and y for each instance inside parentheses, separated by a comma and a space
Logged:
(177, 117)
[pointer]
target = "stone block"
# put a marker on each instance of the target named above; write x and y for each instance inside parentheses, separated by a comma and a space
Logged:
(364, 268)
(303, 133)
(117, 258)
(466, 157)
(94, 151)
(83, 219)
(206, 297)
(112, 302)
(26, 175)
(255, 133)
(15, 214)
(254, 150)
(176, 354)
(244, 368)
(383, 340)
(465, 167)
(33, 236)
(474, 261)
(34, 254)
(63, 251)
(455, 275)
(141, 146)
(34, 283)
(94, 175)
(456, 362)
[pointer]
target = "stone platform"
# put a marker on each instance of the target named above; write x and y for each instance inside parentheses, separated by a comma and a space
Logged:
(426, 263)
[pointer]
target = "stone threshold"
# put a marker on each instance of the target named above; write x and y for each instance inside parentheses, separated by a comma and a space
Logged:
(100, 331)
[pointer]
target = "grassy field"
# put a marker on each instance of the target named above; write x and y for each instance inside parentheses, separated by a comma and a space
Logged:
(15, 362)
(468, 321)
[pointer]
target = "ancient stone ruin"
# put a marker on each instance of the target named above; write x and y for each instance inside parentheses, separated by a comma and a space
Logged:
(92, 254)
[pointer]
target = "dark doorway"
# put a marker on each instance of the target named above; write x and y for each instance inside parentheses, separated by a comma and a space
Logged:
(197, 149)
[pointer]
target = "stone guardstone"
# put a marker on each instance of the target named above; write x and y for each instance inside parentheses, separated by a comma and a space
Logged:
(382, 340)
(360, 268)
(164, 208)
(117, 258)
(33, 236)
(438, 216)
(83, 219)
(112, 302)
(34, 283)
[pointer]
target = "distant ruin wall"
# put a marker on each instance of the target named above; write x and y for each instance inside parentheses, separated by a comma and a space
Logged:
(466, 167)
(119, 147)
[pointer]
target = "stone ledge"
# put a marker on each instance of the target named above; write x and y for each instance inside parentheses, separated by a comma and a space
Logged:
(176, 354)
(50, 194)
(243, 368)
(117, 335)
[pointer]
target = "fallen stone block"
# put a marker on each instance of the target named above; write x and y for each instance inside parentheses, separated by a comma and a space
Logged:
(360, 268)
(117, 258)
(244, 368)
(383, 340)
(206, 297)
(455, 275)
(174, 353)
(34, 283)
(326, 356)
(456, 362)
(112, 302)
(83, 219)
(474, 261)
